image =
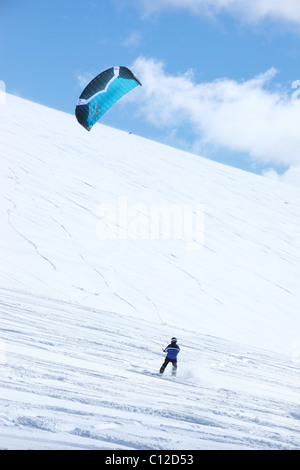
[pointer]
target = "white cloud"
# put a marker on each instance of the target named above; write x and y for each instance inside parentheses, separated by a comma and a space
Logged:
(242, 116)
(249, 10)
(133, 40)
(83, 79)
(291, 176)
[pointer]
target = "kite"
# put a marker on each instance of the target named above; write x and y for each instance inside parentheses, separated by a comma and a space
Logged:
(102, 93)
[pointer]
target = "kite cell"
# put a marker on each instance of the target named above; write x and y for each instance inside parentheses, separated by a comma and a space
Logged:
(102, 92)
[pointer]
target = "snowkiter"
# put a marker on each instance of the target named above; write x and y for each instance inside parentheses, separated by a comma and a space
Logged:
(172, 351)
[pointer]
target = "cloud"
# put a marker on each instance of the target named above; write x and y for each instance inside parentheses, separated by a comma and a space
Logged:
(291, 176)
(242, 116)
(247, 10)
(83, 79)
(133, 40)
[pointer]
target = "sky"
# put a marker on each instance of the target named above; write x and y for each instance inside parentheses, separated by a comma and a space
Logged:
(221, 78)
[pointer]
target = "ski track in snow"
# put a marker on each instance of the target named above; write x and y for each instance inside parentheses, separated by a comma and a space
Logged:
(83, 320)
(72, 377)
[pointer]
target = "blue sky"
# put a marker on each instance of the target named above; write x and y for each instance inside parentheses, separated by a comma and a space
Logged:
(217, 75)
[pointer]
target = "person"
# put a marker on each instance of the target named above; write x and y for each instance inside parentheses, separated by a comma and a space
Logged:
(172, 351)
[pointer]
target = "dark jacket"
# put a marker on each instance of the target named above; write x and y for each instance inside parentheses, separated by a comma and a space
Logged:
(172, 351)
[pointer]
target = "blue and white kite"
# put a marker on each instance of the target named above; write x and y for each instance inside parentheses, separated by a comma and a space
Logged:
(102, 92)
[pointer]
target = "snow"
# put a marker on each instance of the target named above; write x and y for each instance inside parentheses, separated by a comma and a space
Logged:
(84, 318)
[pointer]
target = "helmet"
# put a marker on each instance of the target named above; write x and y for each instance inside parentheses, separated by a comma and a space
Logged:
(174, 340)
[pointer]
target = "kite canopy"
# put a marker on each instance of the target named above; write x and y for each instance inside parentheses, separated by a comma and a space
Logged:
(102, 92)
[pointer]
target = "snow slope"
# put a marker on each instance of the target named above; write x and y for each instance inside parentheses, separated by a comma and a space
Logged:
(83, 319)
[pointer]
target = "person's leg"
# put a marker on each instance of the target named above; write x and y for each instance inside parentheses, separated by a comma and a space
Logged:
(174, 369)
(162, 369)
